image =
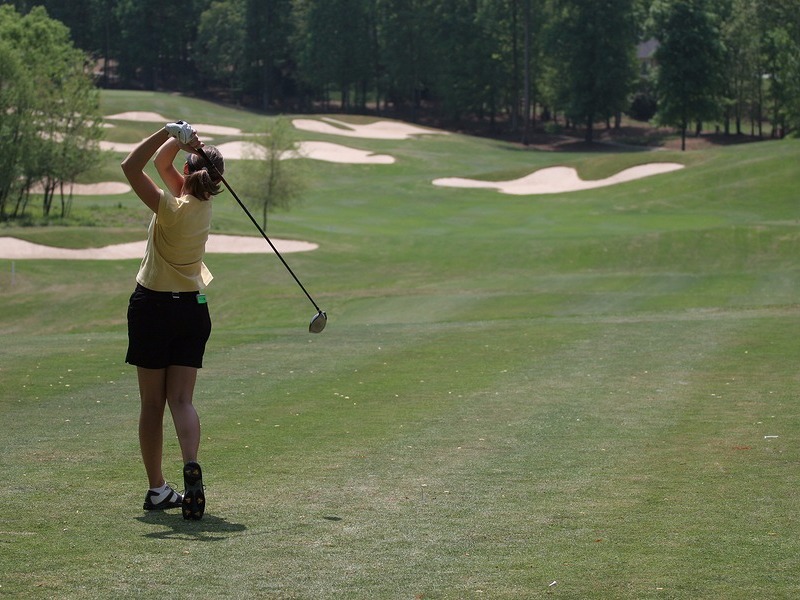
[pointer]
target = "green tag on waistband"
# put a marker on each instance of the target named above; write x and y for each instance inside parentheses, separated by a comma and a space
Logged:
(201, 298)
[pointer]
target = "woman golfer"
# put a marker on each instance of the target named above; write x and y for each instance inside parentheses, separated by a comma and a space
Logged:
(168, 320)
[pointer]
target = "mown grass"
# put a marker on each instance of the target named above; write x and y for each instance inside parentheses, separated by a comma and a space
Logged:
(588, 395)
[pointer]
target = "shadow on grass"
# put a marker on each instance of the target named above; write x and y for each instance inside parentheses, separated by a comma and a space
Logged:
(208, 529)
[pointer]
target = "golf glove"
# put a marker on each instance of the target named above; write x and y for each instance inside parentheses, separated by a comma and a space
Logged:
(180, 130)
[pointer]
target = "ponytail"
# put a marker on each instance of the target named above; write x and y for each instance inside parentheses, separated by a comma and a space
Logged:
(203, 180)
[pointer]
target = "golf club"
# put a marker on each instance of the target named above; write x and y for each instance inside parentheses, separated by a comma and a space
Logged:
(320, 319)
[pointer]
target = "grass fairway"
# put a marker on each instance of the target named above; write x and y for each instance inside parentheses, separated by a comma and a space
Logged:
(581, 396)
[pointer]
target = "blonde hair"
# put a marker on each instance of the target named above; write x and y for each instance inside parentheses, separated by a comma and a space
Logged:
(203, 180)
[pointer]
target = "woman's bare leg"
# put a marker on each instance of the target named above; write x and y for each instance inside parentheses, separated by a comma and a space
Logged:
(153, 394)
(180, 383)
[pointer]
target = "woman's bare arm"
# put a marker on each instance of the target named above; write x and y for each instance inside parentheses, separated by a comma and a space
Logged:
(164, 162)
(160, 142)
(133, 168)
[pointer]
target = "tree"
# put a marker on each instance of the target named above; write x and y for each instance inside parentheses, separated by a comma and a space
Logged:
(500, 69)
(405, 34)
(526, 69)
(273, 182)
(690, 63)
(592, 48)
(784, 72)
(221, 41)
(268, 68)
(460, 86)
(83, 17)
(79, 129)
(156, 40)
(742, 37)
(781, 56)
(457, 60)
(50, 107)
(16, 100)
(332, 42)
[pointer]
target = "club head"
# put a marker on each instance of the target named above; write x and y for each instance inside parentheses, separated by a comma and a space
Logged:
(318, 322)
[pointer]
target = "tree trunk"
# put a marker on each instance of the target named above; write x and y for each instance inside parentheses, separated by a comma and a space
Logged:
(515, 67)
(526, 103)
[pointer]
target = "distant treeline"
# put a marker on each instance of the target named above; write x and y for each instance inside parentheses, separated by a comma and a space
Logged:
(502, 63)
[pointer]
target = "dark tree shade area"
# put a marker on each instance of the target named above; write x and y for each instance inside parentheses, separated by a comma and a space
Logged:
(504, 64)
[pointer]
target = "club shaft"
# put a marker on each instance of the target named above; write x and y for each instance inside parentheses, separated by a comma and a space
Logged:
(260, 230)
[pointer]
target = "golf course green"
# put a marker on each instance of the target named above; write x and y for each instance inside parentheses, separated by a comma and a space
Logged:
(580, 395)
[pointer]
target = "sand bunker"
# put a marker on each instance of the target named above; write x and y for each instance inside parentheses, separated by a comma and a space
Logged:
(105, 188)
(337, 153)
(556, 180)
(380, 130)
(147, 117)
(240, 150)
(117, 146)
(324, 151)
(152, 117)
(13, 248)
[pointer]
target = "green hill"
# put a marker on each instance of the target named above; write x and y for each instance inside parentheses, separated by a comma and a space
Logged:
(588, 394)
